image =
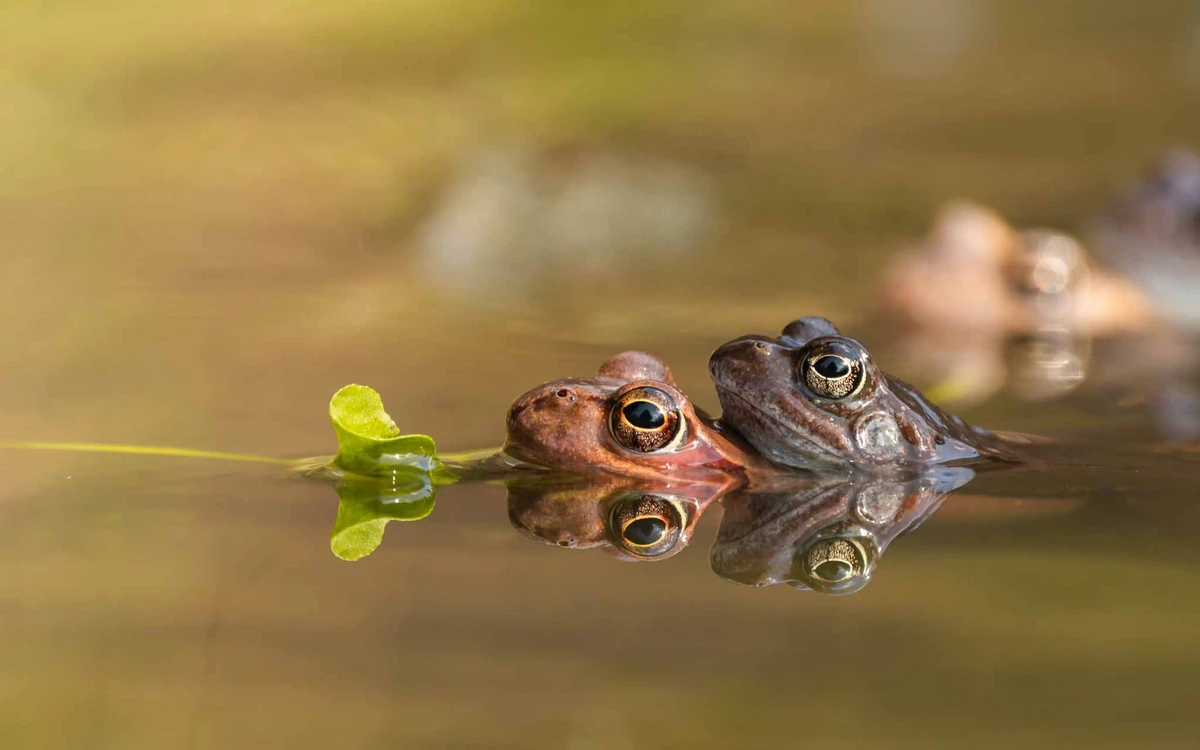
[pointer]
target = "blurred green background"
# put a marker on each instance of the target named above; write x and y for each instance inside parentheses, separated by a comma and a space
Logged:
(213, 215)
(196, 195)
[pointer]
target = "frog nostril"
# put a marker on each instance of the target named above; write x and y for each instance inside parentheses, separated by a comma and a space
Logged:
(563, 393)
(762, 347)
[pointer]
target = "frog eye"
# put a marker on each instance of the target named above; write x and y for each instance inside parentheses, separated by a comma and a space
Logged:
(647, 525)
(833, 369)
(646, 420)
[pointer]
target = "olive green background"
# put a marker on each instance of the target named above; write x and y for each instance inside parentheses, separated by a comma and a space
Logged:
(210, 220)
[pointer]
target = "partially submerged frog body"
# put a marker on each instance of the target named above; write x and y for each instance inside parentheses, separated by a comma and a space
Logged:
(824, 534)
(814, 398)
(633, 521)
(630, 420)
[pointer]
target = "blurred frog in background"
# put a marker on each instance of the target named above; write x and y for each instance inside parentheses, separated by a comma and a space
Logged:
(980, 305)
(1151, 233)
(977, 275)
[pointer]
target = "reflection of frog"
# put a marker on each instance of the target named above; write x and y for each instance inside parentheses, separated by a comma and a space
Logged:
(629, 420)
(634, 522)
(968, 369)
(823, 533)
(813, 397)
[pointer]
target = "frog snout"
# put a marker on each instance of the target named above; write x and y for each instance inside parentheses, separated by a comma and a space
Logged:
(528, 416)
(737, 362)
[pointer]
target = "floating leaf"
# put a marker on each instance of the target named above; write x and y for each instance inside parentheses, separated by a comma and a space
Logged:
(370, 444)
(367, 505)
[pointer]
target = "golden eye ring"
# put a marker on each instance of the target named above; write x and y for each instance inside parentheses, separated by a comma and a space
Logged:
(833, 369)
(834, 561)
(647, 420)
(647, 525)
(838, 561)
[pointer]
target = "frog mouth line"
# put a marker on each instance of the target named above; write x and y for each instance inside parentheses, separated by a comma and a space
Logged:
(812, 451)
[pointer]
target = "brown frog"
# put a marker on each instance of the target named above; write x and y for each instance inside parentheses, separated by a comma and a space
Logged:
(814, 398)
(630, 420)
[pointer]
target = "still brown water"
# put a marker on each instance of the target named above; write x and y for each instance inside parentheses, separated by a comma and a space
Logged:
(212, 218)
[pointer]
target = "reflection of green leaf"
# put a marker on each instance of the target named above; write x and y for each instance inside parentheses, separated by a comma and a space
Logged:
(367, 505)
(370, 444)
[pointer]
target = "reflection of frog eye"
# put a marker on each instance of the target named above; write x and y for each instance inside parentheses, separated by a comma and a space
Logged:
(835, 564)
(646, 525)
(646, 420)
(833, 370)
(834, 560)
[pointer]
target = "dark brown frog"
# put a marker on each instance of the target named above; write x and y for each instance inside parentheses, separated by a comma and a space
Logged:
(814, 398)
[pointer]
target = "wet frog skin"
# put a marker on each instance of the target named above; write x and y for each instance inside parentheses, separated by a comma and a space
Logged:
(630, 420)
(813, 399)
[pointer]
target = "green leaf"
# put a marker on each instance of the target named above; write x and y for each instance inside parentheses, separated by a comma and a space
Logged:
(367, 505)
(370, 444)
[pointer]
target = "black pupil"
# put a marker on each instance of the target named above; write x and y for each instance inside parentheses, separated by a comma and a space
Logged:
(645, 531)
(644, 415)
(833, 570)
(831, 367)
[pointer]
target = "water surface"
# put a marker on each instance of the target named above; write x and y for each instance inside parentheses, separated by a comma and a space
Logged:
(213, 220)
